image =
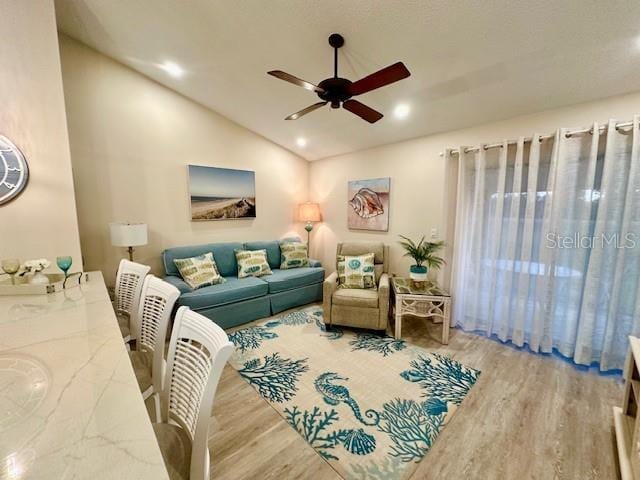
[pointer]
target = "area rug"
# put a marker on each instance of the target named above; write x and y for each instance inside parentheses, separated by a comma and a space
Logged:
(370, 405)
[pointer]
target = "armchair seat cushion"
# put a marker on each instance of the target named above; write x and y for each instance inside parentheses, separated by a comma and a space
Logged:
(233, 290)
(282, 280)
(356, 297)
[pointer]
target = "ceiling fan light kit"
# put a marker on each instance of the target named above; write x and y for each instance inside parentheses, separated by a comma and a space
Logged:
(338, 92)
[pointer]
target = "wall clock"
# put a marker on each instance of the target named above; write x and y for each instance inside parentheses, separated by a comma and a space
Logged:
(14, 171)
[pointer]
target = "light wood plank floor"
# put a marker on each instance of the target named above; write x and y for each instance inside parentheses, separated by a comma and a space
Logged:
(528, 417)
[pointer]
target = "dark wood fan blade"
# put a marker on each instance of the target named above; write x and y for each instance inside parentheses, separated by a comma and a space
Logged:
(383, 77)
(304, 111)
(364, 112)
(287, 77)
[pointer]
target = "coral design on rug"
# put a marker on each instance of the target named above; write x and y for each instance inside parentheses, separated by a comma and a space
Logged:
(251, 338)
(370, 405)
(311, 425)
(276, 378)
(389, 468)
(377, 343)
(411, 428)
(296, 318)
(445, 379)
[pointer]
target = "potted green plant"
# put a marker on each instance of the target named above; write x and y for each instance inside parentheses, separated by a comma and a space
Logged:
(424, 254)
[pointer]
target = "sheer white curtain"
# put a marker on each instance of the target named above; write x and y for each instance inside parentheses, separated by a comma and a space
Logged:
(547, 243)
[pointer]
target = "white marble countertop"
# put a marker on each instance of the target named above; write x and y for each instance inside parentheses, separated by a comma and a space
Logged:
(70, 406)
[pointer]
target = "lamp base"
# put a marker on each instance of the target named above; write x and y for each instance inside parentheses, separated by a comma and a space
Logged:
(308, 227)
(130, 254)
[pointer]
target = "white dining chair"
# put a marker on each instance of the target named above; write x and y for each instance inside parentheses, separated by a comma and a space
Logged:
(198, 351)
(127, 294)
(157, 300)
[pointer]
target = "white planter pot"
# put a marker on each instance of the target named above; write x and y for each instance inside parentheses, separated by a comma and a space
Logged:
(418, 274)
(418, 277)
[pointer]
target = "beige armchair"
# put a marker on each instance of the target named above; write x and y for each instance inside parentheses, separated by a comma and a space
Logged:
(362, 308)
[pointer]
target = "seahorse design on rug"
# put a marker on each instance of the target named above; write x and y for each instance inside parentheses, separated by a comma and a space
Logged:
(334, 394)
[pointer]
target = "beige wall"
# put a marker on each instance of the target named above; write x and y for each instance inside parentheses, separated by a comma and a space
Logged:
(418, 174)
(41, 222)
(131, 141)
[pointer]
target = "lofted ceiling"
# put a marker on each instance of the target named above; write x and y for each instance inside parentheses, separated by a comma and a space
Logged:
(471, 61)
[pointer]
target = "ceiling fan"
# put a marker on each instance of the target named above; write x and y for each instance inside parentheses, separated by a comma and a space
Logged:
(338, 91)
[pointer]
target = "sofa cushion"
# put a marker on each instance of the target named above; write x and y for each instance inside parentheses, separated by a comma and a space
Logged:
(272, 248)
(178, 283)
(233, 290)
(356, 297)
(223, 254)
(282, 280)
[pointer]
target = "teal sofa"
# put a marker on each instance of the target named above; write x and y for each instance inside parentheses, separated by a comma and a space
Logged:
(241, 300)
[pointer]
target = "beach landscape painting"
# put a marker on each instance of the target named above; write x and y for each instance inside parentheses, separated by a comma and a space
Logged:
(368, 204)
(221, 193)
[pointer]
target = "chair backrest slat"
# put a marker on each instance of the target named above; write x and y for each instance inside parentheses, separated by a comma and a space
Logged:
(198, 352)
(157, 300)
(128, 287)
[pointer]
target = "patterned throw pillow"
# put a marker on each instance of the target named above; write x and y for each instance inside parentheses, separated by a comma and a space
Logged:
(356, 272)
(252, 263)
(293, 255)
(200, 271)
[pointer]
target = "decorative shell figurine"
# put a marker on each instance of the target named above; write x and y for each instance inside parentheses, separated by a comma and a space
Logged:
(366, 203)
(37, 265)
(35, 268)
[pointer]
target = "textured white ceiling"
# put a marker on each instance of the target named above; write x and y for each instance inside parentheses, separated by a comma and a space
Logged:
(471, 61)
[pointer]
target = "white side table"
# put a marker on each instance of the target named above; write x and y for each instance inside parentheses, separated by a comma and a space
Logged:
(423, 299)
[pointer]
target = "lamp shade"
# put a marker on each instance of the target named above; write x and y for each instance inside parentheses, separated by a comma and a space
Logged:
(309, 212)
(128, 234)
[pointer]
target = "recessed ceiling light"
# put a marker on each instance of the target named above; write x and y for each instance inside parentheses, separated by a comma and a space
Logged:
(301, 142)
(172, 69)
(401, 111)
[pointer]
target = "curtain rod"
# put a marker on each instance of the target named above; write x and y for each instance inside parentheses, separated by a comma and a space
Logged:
(601, 130)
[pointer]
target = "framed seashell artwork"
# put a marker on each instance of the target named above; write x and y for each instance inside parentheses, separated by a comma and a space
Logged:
(368, 204)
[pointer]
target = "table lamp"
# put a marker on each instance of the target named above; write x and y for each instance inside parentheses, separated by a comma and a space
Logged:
(309, 212)
(128, 235)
